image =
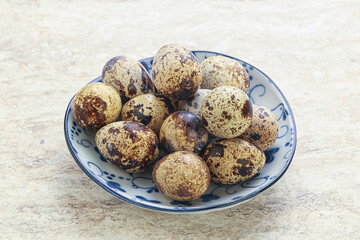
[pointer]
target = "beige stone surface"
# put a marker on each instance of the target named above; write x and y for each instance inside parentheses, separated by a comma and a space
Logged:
(50, 49)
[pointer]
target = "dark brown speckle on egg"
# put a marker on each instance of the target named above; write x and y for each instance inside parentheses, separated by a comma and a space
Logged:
(264, 128)
(96, 105)
(183, 130)
(130, 146)
(181, 176)
(233, 160)
(223, 71)
(148, 109)
(127, 76)
(176, 72)
(226, 112)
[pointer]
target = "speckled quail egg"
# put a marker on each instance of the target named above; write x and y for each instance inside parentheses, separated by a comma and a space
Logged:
(147, 109)
(233, 160)
(264, 128)
(128, 76)
(130, 146)
(223, 71)
(176, 72)
(226, 112)
(194, 104)
(96, 105)
(182, 176)
(183, 131)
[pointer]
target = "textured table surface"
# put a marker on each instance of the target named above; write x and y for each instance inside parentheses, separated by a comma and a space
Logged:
(49, 49)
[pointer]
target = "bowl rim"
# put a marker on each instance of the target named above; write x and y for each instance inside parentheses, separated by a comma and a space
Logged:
(198, 209)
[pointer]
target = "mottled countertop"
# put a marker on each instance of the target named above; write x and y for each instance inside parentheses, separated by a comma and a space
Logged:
(49, 49)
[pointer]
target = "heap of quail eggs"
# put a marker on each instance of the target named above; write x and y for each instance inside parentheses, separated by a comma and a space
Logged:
(199, 114)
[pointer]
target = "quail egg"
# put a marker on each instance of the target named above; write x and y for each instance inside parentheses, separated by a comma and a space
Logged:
(194, 104)
(176, 72)
(183, 131)
(223, 71)
(233, 160)
(182, 176)
(128, 76)
(130, 146)
(96, 105)
(264, 128)
(226, 112)
(147, 109)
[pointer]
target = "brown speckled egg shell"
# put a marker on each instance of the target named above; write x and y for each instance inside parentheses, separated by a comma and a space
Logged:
(147, 109)
(127, 76)
(194, 104)
(96, 105)
(223, 71)
(130, 146)
(264, 128)
(226, 112)
(181, 176)
(233, 160)
(183, 131)
(176, 72)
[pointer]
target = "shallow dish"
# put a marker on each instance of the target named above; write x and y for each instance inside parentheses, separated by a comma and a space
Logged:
(139, 189)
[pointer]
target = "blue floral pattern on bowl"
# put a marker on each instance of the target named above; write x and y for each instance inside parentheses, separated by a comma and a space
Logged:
(139, 189)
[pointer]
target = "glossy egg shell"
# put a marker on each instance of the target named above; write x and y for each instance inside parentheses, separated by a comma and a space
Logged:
(223, 71)
(176, 72)
(147, 109)
(181, 176)
(226, 112)
(183, 131)
(96, 105)
(233, 160)
(130, 146)
(264, 128)
(127, 76)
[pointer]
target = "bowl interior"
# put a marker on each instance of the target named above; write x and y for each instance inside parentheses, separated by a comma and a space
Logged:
(140, 190)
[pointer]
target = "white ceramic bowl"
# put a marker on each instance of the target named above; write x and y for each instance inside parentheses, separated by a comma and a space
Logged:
(139, 189)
